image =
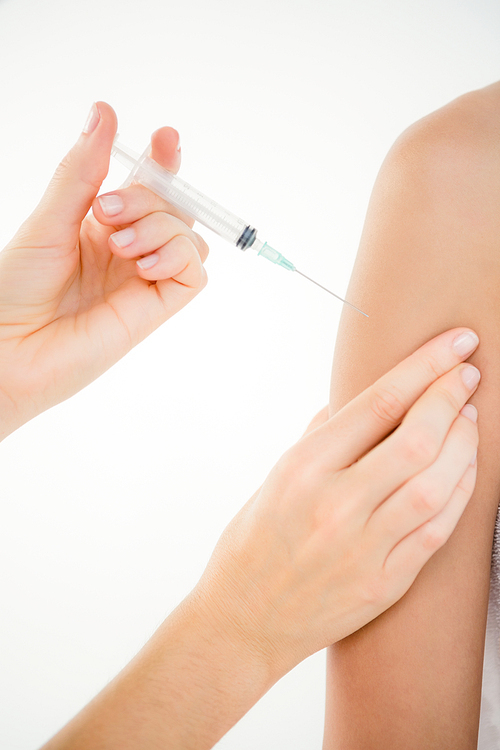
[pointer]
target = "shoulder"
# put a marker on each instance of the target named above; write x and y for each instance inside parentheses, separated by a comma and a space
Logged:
(456, 143)
(450, 161)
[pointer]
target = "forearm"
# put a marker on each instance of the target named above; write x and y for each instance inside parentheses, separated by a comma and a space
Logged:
(185, 689)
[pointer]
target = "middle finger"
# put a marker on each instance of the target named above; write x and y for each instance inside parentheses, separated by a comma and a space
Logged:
(129, 204)
(151, 232)
(417, 442)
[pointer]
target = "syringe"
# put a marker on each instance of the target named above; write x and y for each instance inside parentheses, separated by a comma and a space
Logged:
(180, 194)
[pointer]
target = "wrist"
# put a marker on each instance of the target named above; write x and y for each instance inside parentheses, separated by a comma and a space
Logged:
(205, 679)
(226, 675)
(188, 686)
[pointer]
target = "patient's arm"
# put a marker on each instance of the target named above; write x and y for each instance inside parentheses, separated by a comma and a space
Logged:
(429, 260)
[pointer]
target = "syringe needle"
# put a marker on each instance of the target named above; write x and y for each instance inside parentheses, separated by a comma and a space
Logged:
(329, 292)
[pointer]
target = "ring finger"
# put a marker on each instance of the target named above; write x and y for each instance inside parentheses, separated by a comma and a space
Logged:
(178, 259)
(426, 494)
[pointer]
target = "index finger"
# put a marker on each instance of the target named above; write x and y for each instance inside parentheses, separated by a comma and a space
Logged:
(378, 410)
(139, 201)
(165, 150)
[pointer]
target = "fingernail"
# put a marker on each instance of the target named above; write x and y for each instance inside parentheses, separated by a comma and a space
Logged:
(470, 376)
(92, 120)
(474, 459)
(179, 144)
(111, 204)
(470, 412)
(124, 237)
(465, 343)
(148, 261)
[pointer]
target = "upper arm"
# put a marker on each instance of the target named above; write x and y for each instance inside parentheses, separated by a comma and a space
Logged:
(429, 260)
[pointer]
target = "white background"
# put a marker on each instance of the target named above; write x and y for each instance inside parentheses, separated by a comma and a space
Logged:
(112, 502)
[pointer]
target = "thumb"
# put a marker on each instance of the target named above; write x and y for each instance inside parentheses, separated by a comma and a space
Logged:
(76, 181)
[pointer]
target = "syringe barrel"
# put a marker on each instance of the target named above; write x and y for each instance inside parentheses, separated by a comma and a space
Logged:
(184, 196)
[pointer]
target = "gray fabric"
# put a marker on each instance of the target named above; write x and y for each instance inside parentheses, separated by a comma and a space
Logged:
(489, 725)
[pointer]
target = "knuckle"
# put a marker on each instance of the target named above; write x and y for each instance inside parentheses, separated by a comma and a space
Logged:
(285, 475)
(290, 461)
(467, 427)
(417, 447)
(467, 483)
(375, 591)
(91, 174)
(65, 164)
(388, 404)
(434, 366)
(161, 221)
(433, 536)
(149, 200)
(447, 395)
(470, 437)
(198, 281)
(183, 244)
(297, 466)
(465, 435)
(203, 245)
(425, 498)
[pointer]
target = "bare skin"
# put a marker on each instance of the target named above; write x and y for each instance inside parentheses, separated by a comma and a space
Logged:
(428, 259)
(337, 532)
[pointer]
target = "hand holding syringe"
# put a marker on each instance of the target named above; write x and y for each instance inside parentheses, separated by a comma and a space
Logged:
(198, 206)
